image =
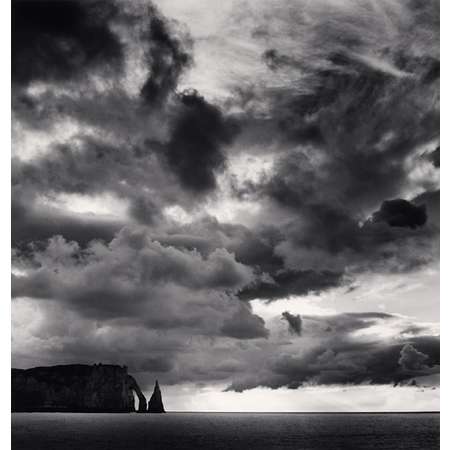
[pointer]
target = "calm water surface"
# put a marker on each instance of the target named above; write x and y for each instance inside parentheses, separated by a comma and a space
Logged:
(175, 431)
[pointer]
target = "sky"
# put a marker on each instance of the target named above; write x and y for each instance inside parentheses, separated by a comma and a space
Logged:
(240, 199)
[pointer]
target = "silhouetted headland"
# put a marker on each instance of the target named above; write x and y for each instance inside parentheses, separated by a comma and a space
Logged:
(79, 388)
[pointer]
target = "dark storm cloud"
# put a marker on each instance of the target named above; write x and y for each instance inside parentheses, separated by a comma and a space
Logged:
(436, 157)
(401, 213)
(244, 325)
(60, 40)
(160, 50)
(371, 125)
(294, 322)
(433, 73)
(194, 152)
(325, 239)
(254, 247)
(285, 283)
(166, 57)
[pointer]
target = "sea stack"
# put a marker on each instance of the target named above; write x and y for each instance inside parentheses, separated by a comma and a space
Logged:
(155, 405)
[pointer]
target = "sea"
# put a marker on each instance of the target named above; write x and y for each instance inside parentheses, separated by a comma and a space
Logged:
(247, 431)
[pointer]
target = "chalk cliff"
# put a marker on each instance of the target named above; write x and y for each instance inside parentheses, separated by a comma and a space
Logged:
(75, 388)
(155, 405)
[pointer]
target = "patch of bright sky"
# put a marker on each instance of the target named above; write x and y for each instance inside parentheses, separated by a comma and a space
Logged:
(250, 167)
(392, 328)
(178, 214)
(308, 305)
(225, 209)
(330, 399)
(422, 175)
(228, 209)
(413, 295)
(224, 205)
(241, 168)
(136, 70)
(222, 49)
(102, 205)
(31, 143)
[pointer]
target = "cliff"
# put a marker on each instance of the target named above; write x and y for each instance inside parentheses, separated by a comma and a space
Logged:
(75, 388)
(155, 405)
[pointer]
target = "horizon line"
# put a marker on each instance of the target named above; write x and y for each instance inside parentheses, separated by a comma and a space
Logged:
(307, 412)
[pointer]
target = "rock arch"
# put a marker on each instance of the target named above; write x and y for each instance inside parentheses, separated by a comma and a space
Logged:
(133, 386)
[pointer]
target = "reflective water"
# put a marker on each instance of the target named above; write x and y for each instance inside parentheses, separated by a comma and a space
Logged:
(248, 431)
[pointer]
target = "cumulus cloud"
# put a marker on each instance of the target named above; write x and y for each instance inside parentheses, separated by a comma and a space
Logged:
(140, 281)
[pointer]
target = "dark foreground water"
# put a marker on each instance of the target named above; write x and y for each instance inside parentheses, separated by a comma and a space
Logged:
(54, 431)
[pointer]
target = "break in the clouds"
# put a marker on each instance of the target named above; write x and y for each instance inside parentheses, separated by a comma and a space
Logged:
(177, 174)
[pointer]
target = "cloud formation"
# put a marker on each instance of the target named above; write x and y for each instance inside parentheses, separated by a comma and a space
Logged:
(56, 41)
(167, 176)
(341, 349)
(139, 280)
